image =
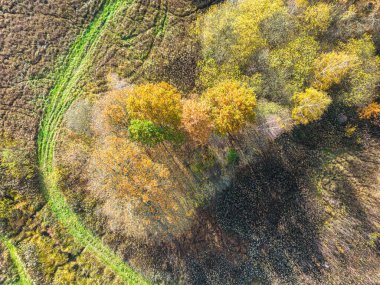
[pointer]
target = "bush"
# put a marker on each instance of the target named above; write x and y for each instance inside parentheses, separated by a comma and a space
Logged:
(232, 156)
(145, 132)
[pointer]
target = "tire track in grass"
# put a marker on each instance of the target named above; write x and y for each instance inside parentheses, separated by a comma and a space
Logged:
(24, 278)
(64, 92)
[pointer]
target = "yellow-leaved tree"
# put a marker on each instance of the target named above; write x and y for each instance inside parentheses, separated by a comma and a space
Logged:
(294, 62)
(317, 18)
(309, 106)
(196, 120)
(330, 68)
(232, 105)
(364, 79)
(159, 103)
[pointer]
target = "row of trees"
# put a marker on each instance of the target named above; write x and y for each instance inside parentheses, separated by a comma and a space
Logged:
(157, 112)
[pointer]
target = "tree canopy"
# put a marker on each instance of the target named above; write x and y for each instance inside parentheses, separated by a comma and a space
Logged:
(232, 105)
(159, 103)
(309, 106)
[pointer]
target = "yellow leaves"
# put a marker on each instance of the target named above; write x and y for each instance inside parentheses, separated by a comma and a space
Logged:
(232, 105)
(294, 61)
(250, 13)
(196, 121)
(350, 130)
(309, 106)
(230, 32)
(159, 103)
(365, 77)
(145, 198)
(331, 68)
(371, 111)
(317, 18)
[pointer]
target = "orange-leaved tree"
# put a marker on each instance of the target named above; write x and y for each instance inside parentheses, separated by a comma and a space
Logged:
(232, 105)
(124, 173)
(371, 111)
(196, 120)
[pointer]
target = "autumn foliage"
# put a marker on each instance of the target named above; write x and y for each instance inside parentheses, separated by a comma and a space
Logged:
(159, 103)
(196, 121)
(309, 106)
(372, 111)
(128, 177)
(331, 68)
(232, 105)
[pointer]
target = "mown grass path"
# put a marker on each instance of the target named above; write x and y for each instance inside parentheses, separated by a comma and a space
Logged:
(23, 275)
(64, 92)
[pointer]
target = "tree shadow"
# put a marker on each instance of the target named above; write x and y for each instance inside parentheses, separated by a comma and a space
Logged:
(266, 207)
(259, 230)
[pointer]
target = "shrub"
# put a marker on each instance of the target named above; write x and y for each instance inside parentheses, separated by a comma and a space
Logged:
(232, 156)
(145, 132)
(372, 111)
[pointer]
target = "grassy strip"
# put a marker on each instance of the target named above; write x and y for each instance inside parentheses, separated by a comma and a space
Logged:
(64, 92)
(23, 274)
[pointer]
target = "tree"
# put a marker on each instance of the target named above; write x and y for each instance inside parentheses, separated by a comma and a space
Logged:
(146, 132)
(196, 121)
(230, 34)
(331, 68)
(293, 63)
(372, 111)
(139, 192)
(365, 77)
(159, 103)
(317, 18)
(112, 113)
(309, 106)
(232, 105)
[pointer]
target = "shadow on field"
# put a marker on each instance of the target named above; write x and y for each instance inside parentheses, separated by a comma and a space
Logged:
(265, 207)
(265, 228)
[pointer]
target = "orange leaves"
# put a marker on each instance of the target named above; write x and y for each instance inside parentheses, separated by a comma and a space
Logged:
(196, 121)
(372, 111)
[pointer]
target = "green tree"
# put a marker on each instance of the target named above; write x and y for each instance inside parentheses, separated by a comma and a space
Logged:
(309, 106)
(232, 105)
(145, 132)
